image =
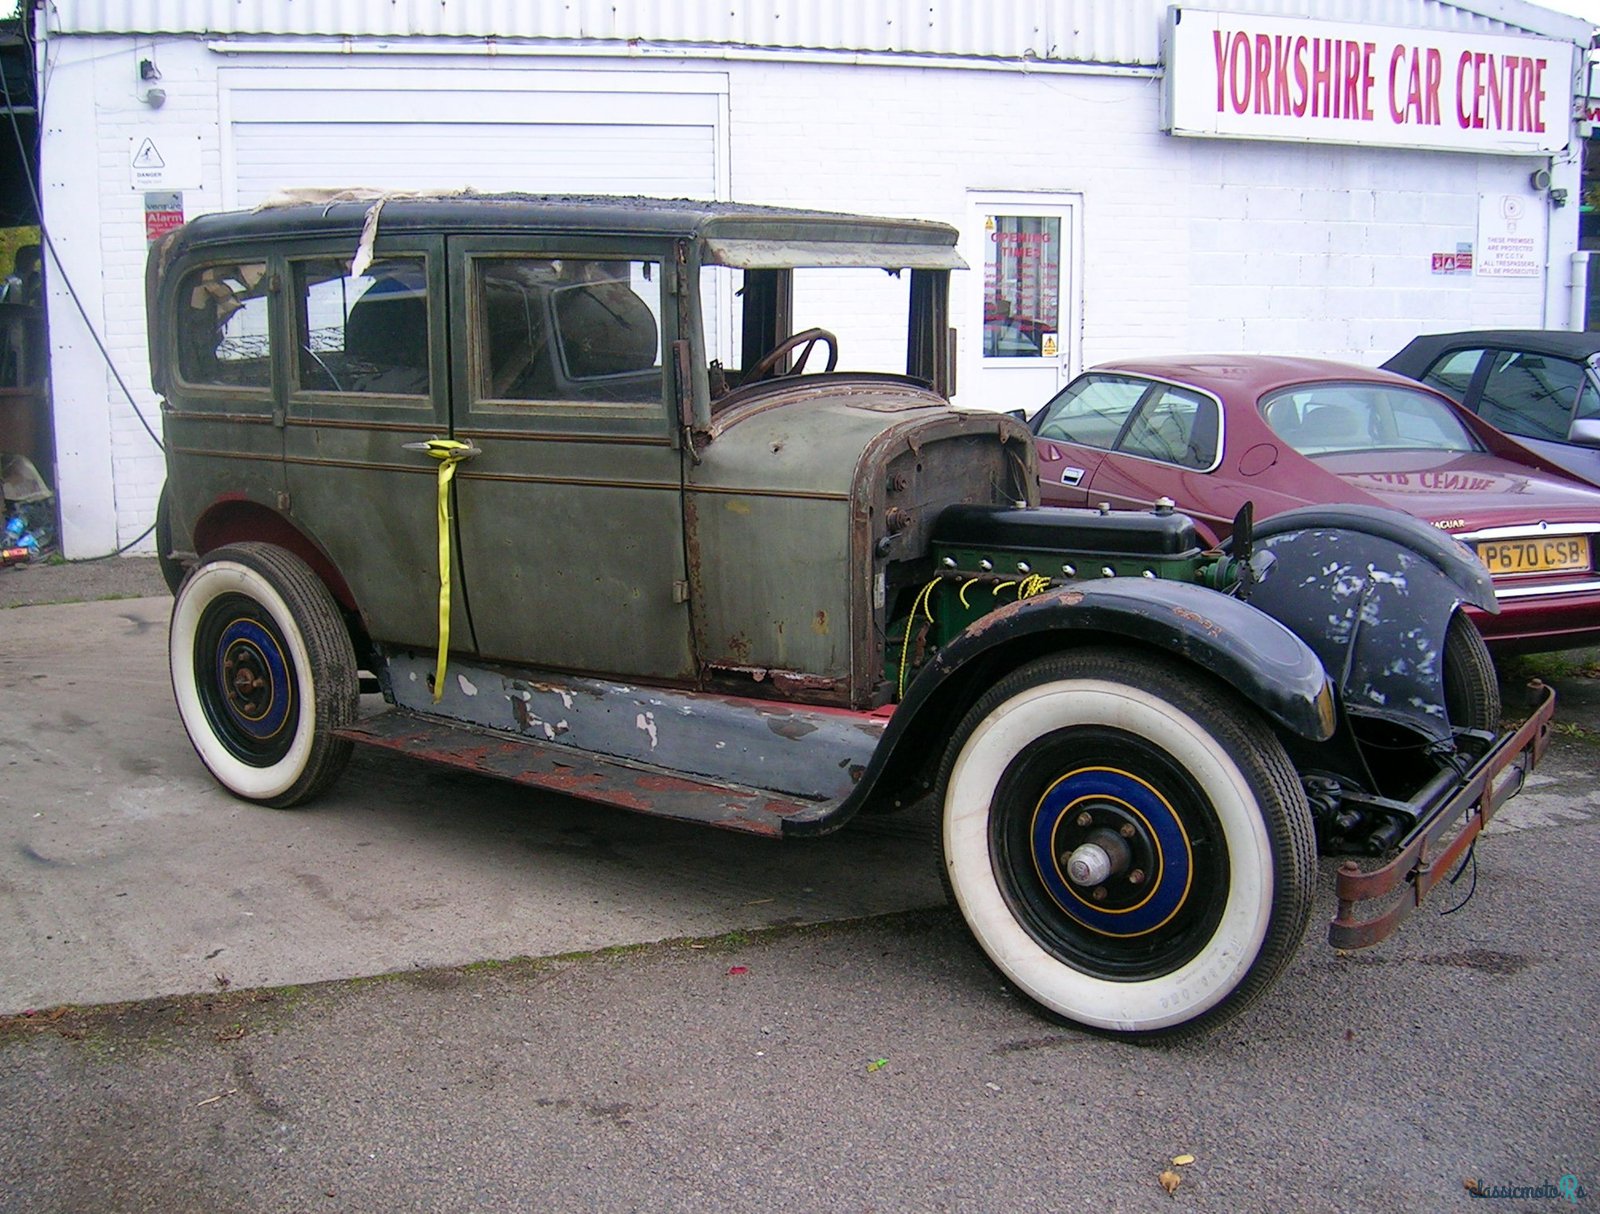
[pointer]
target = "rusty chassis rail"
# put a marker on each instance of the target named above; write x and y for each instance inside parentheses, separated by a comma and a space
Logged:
(1421, 863)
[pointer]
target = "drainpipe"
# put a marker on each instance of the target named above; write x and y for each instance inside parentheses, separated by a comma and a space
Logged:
(1579, 286)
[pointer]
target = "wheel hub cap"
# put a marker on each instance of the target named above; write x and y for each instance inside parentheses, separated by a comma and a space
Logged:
(253, 674)
(1111, 852)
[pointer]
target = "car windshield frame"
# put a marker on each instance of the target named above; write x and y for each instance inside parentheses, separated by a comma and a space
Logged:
(1356, 417)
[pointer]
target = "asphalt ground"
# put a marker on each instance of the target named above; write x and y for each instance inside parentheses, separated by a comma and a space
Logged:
(429, 992)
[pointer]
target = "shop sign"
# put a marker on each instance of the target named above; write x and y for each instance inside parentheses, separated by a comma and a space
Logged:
(1244, 76)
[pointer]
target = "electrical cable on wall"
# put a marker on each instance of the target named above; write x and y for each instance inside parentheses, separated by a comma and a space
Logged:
(44, 232)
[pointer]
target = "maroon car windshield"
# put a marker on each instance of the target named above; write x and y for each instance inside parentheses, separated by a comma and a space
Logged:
(1329, 419)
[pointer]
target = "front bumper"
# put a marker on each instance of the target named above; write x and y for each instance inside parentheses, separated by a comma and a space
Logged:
(1423, 860)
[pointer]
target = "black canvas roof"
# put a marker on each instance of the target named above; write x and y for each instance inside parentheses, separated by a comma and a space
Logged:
(344, 212)
(1559, 342)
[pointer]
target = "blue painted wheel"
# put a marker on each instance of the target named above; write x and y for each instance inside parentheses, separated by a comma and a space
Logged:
(246, 680)
(1153, 871)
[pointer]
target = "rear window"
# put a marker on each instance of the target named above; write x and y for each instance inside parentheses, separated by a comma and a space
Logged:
(1452, 374)
(1329, 419)
(222, 327)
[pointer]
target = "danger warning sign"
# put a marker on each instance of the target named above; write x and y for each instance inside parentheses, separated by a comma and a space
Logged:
(165, 161)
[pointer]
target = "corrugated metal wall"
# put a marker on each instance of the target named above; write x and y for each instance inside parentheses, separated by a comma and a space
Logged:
(1070, 31)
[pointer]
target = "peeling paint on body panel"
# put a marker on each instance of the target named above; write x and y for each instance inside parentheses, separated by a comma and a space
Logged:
(766, 744)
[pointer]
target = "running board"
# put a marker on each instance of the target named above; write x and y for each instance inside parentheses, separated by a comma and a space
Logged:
(587, 776)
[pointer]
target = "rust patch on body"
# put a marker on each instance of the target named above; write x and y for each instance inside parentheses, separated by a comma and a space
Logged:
(790, 727)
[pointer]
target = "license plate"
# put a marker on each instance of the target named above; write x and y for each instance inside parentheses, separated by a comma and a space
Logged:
(1549, 555)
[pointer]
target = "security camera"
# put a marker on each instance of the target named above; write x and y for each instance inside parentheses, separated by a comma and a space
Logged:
(1539, 179)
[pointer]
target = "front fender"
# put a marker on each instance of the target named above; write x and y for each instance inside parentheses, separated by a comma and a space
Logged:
(1372, 592)
(1447, 555)
(1261, 659)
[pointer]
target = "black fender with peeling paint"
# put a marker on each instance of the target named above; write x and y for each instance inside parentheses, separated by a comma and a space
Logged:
(1372, 591)
(1262, 660)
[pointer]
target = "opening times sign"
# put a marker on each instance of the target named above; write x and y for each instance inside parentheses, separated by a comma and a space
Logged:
(1243, 76)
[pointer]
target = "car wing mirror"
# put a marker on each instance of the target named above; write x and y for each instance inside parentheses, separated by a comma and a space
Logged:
(1585, 432)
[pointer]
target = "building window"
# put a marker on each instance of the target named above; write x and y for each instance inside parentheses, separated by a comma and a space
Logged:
(1021, 286)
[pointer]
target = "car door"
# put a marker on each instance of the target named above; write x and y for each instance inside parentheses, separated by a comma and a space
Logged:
(569, 515)
(1075, 431)
(1534, 397)
(1169, 448)
(367, 386)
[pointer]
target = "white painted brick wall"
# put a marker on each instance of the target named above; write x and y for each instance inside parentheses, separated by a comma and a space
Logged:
(1189, 245)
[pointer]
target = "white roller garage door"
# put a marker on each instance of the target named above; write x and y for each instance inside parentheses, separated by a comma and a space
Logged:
(540, 131)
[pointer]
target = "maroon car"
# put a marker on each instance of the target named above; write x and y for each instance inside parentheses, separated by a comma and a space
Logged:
(1213, 433)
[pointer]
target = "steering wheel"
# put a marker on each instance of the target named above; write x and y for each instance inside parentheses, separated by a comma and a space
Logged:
(767, 367)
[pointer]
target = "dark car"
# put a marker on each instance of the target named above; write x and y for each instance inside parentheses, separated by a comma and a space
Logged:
(558, 477)
(1541, 385)
(1214, 433)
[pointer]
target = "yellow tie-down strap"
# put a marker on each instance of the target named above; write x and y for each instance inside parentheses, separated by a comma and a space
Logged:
(449, 453)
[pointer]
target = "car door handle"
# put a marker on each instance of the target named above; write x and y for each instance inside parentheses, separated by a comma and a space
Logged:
(1071, 476)
(466, 451)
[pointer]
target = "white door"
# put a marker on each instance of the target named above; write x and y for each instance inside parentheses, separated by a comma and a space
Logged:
(1020, 301)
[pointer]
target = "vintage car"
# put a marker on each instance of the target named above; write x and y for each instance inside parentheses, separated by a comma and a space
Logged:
(570, 481)
(1213, 432)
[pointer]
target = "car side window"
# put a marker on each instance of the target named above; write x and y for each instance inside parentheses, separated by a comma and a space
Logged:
(1092, 410)
(1175, 427)
(221, 327)
(1452, 374)
(569, 330)
(1531, 394)
(366, 332)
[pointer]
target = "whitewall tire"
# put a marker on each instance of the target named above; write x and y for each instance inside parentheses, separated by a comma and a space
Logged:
(1127, 841)
(263, 671)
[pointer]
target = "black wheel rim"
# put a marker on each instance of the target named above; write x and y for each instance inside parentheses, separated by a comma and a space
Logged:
(246, 680)
(1164, 897)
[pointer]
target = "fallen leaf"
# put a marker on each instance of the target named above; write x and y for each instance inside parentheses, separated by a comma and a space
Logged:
(1183, 1161)
(877, 1064)
(736, 970)
(1170, 1181)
